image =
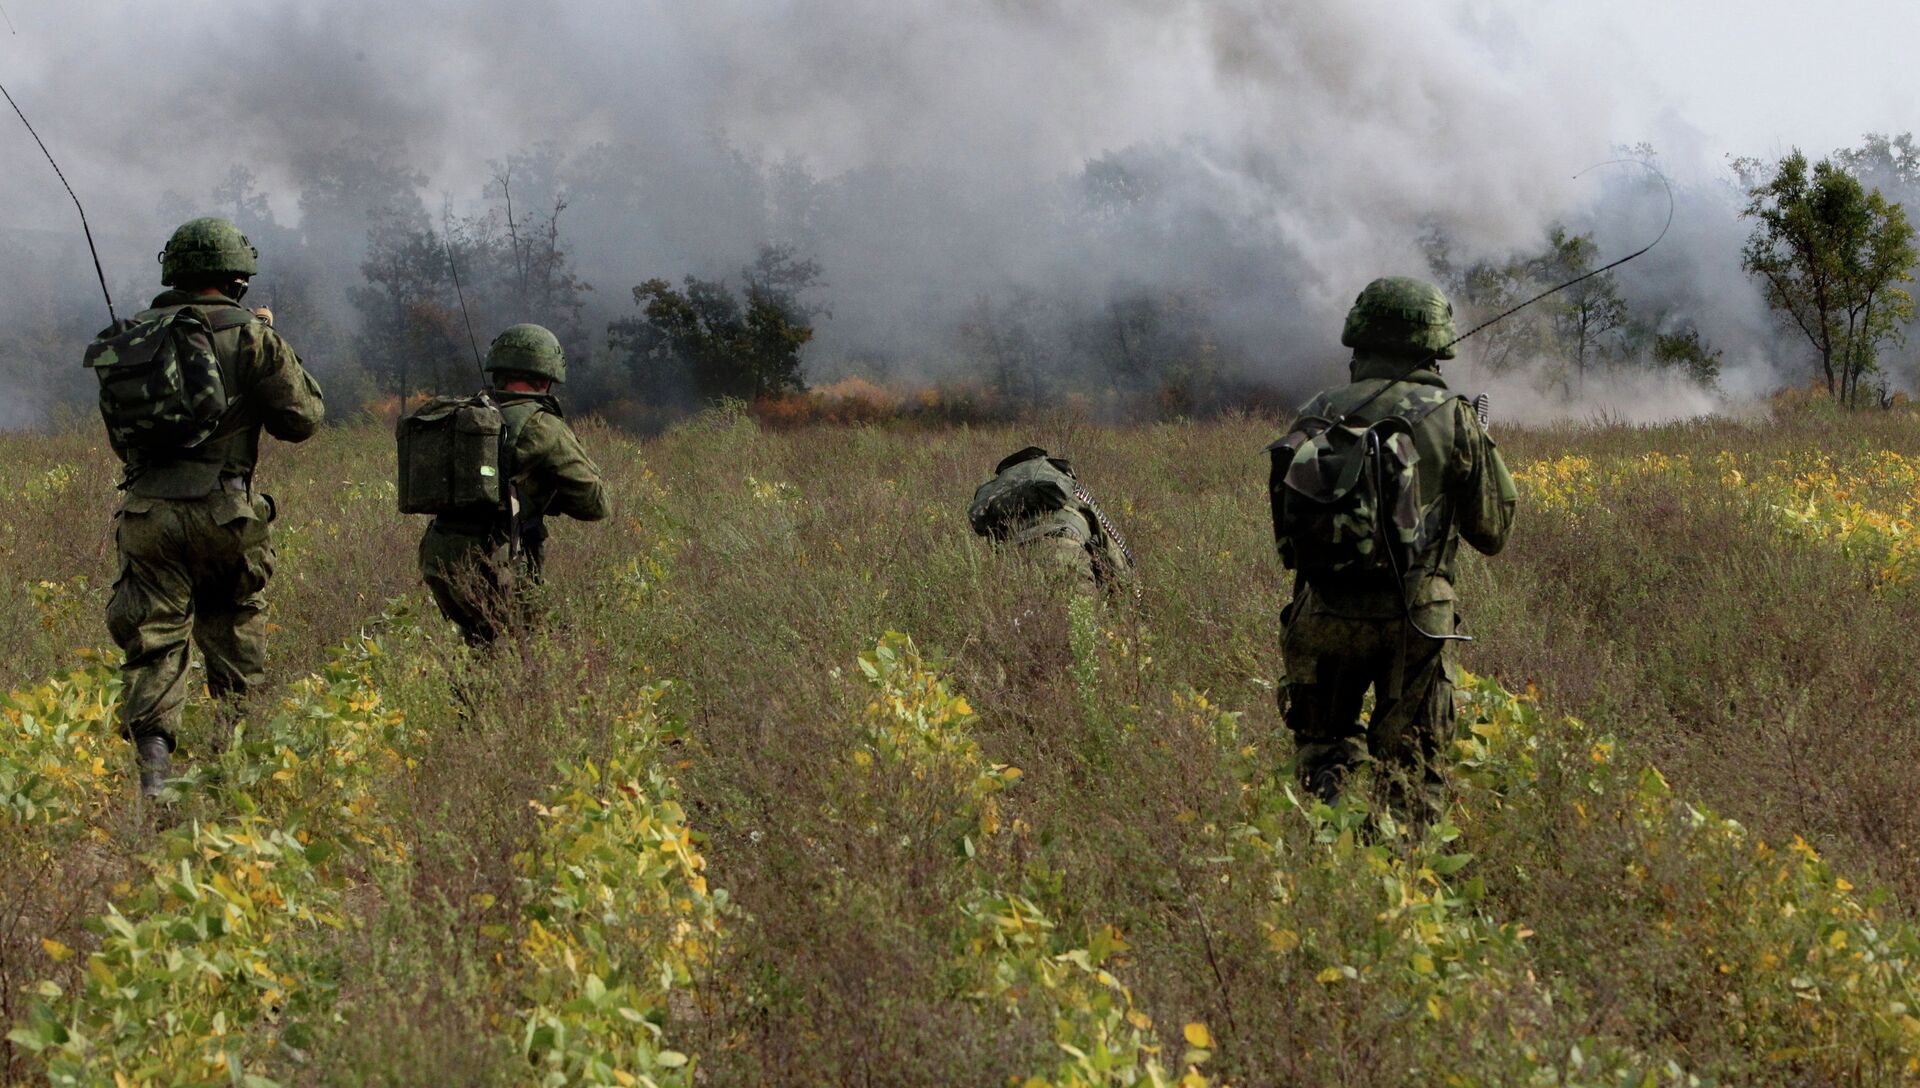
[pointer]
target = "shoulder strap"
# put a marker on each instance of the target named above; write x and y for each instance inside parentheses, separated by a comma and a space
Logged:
(514, 418)
(1421, 412)
(221, 318)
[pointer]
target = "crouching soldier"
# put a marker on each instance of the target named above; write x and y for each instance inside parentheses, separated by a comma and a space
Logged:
(186, 388)
(1035, 503)
(479, 558)
(1373, 488)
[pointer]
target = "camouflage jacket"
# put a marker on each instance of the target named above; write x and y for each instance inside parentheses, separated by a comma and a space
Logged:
(1458, 460)
(550, 471)
(1034, 498)
(269, 391)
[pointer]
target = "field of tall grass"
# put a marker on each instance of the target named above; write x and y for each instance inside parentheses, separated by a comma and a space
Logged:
(802, 783)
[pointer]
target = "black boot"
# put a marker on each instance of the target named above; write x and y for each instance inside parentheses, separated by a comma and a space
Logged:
(155, 766)
(1327, 783)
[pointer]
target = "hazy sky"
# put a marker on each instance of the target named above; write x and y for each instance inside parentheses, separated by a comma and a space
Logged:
(1756, 77)
(854, 82)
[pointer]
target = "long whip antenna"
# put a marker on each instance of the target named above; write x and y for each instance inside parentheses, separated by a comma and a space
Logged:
(76, 202)
(1551, 291)
(1608, 267)
(454, 267)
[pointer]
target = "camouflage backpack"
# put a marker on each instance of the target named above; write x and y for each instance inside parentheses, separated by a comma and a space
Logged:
(1029, 486)
(456, 456)
(1346, 493)
(161, 385)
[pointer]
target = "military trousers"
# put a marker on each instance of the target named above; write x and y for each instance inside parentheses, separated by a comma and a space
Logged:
(1060, 541)
(1333, 660)
(476, 584)
(189, 569)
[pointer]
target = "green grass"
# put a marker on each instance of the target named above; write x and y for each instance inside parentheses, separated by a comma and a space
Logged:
(890, 920)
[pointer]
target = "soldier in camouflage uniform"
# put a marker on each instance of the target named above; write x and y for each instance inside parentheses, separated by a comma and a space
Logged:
(478, 572)
(193, 536)
(1344, 635)
(1036, 503)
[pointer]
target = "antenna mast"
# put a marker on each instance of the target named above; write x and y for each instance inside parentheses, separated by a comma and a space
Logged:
(76, 202)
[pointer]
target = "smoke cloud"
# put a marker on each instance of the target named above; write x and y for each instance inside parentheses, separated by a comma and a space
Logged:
(971, 160)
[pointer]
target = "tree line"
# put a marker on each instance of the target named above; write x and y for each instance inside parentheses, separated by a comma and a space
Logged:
(366, 285)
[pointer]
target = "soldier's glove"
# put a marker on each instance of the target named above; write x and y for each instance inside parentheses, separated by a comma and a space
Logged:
(1483, 409)
(265, 314)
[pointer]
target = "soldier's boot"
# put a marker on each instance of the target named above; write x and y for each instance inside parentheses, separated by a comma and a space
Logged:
(1326, 783)
(155, 766)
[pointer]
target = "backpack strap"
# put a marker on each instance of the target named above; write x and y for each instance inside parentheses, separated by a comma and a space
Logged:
(1421, 412)
(514, 418)
(222, 317)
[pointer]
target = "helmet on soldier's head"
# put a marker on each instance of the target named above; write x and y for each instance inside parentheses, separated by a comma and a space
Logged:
(207, 246)
(1400, 315)
(527, 349)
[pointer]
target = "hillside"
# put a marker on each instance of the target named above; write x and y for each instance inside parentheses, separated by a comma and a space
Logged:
(803, 784)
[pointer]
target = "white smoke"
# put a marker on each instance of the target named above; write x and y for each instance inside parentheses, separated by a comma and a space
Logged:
(927, 153)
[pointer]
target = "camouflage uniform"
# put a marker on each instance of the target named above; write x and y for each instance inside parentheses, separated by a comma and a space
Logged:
(1018, 507)
(1344, 636)
(479, 582)
(195, 547)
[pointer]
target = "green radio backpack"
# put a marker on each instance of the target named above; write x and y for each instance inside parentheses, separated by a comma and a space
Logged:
(161, 386)
(1346, 495)
(453, 458)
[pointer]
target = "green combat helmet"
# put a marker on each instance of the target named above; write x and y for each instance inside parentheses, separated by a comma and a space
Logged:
(207, 246)
(1399, 315)
(527, 349)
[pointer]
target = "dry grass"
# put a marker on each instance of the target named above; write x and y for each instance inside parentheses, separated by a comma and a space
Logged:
(1768, 679)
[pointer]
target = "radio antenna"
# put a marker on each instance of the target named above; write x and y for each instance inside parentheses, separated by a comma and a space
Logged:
(453, 267)
(76, 201)
(1549, 292)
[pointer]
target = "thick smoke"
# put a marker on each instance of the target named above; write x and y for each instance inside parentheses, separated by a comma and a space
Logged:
(944, 162)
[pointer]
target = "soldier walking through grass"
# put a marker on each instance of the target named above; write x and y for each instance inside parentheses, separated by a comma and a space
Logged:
(1036, 503)
(481, 561)
(187, 387)
(1373, 487)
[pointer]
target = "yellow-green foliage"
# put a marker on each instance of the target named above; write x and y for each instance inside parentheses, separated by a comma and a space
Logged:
(59, 735)
(916, 721)
(1812, 977)
(1864, 504)
(1570, 481)
(619, 918)
(199, 970)
(1013, 953)
(214, 958)
(1016, 954)
(49, 484)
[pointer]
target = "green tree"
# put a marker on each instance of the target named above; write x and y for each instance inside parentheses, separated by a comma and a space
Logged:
(1831, 256)
(1884, 161)
(410, 334)
(1687, 352)
(727, 345)
(1585, 313)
